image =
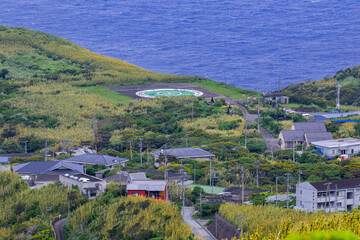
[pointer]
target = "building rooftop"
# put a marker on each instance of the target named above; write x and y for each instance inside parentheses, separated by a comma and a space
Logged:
(147, 185)
(81, 177)
(48, 167)
(91, 158)
(319, 136)
(189, 152)
(335, 143)
(22, 155)
(4, 160)
(337, 184)
(338, 115)
(293, 135)
(309, 126)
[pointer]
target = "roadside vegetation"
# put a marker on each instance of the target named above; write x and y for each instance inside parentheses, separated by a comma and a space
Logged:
(268, 222)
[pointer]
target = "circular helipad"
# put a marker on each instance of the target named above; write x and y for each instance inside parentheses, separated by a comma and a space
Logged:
(168, 93)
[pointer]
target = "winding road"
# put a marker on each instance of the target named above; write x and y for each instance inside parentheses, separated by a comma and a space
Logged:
(196, 228)
(59, 229)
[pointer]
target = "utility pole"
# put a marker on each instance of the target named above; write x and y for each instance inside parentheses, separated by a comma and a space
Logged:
(337, 86)
(131, 155)
(140, 150)
(186, 135)
(293, 158)
(299, 172)
(279, 84)
(327, 197)
(192, 110)
(94, 131)
(242, 184)
(46, 148)
(287, 188)
(336, 198)
(194, 174)
(258, 110)
(182, 186)
(210, 176)
(276, 190)
(147, 155)
(257, 162)
(241, 226)
(246, 125)
(26, 141)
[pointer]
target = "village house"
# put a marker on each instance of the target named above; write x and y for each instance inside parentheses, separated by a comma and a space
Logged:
(181, 153)
(329, 196)
(40, 172)
(139, 185)
(276, 97)
(335, 147)
(303, 133)
(92, 159)
(88, 185)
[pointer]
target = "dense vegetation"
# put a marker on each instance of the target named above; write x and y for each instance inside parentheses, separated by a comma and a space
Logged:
(26, 212)
(323, 92)
(265, 222)
(113, 217)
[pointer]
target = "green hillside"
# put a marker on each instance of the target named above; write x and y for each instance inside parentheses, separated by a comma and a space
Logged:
(41, 87)
(323, 92)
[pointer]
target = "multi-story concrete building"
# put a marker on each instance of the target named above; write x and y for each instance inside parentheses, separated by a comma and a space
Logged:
(329, 196)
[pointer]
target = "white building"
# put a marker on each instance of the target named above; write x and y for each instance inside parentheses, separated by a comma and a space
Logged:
(88, 185)
(331, 196)
(335, 147)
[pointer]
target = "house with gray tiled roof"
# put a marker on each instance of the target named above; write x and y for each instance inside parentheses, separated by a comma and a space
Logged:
(303, 133)
(39, 172)
(92, 159)
(186, 152)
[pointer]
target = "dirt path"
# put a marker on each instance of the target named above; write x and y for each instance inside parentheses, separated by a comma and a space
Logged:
(196, 228)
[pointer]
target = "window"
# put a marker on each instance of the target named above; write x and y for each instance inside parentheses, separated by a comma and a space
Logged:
(352, 150)
(135, 194)
(333, 151)
(339, 204)
(343, 151)
(300, 191)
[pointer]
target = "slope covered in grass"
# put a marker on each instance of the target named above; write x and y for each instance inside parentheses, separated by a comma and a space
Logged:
(41, 76)
(323, 92)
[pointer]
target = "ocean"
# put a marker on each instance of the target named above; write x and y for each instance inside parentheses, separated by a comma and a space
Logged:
(246, 43)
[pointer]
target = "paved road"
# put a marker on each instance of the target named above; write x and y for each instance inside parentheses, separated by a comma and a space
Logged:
(199, 232)
(59, 229)
(271, 142)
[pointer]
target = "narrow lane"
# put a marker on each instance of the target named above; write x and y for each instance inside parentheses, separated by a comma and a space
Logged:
(200, 232)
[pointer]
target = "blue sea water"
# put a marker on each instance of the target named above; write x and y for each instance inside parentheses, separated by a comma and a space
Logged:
(247, 43)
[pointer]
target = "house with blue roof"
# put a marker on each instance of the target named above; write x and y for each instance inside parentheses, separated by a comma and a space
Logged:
(92, 159)
(39, 172)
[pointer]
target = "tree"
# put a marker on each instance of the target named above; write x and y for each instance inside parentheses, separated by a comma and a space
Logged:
(256, 145)
(3, 73)
(357, 129)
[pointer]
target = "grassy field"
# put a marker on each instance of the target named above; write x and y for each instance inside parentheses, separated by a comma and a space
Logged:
(224, 89)
(110, 95)
(207, 188)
